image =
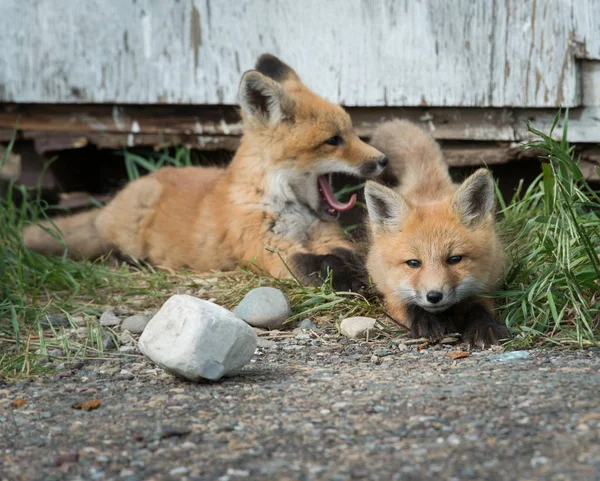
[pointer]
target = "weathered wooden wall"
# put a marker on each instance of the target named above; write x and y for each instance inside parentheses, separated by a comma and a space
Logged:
(456, 53)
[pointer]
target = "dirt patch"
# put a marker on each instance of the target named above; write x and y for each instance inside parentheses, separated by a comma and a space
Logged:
(313, 408)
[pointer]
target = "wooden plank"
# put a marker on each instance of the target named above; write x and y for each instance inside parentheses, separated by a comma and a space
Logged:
(518, 53)
(586, 29)
(187, 122)
(166, 119)
(55, 141)
(534, 54)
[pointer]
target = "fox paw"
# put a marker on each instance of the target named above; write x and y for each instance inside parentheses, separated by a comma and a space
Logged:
(481, 329)
(346, 268)
(427, 324)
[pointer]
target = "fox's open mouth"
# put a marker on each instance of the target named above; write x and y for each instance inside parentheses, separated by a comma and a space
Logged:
(333, 206)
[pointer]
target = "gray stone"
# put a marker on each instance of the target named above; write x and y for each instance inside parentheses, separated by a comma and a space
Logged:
(197, 339)
(264, 307)
(135, 324)
(52, 321)
(357, 327)
(382, 351)
(109, 343)
(307, 324)
(109, 319)
(179, 471)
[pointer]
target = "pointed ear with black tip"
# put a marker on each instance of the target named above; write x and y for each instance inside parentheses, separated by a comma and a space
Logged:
(475, 198)
(274, 68)
(387, 209)
(262, 98)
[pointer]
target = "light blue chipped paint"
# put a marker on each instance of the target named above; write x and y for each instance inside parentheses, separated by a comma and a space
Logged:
(509, 356)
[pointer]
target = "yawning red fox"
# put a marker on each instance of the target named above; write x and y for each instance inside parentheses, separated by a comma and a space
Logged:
(274, 199)
(434, 252)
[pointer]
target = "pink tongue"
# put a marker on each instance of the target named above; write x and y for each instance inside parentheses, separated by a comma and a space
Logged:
(330, 198)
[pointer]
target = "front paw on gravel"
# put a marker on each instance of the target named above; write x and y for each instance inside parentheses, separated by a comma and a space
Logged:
(481, 329)
(484, 333)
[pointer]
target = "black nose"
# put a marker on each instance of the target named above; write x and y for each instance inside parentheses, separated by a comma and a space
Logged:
(383, 161)
(434, 296)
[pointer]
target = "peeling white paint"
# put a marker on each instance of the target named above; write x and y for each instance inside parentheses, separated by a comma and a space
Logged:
(376, 52)
(116, 116)
(147, 34)
(224, 127)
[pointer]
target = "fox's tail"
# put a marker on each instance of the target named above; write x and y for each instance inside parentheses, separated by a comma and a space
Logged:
(415, 157)
(77, 234)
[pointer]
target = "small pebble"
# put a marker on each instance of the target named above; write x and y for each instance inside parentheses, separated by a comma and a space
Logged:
(50, 320)
(109, 344)
(135, 324)
(357, 327)
(109, 319)
(375, 360)
(264, 307)
(56, 353)
(127, 338)
(307, 324)
(179, 471)
(382, 351)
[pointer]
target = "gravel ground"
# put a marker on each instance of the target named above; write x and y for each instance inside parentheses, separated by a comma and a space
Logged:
(312, 407)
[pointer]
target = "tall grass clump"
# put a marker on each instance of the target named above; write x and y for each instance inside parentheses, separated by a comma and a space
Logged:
(33, 285)
(552, 234)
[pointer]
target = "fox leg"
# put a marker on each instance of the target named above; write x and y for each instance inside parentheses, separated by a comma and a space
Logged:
(478, 325)
(345, 266)
(418, 321)
(330, 253)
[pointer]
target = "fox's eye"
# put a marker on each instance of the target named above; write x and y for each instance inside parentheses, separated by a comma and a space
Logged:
(413, 263)
(335, 140)
(454, 260)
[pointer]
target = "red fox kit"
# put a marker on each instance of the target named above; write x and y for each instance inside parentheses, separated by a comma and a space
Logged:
(434, 250)
(275, 193)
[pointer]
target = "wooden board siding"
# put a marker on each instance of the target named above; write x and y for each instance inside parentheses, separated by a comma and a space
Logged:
(366, 53)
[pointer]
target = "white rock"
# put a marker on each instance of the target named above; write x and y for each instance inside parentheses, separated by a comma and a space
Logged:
(135, 324)
(264, 307)
(197, 339)
(109, 319)
(357, 327)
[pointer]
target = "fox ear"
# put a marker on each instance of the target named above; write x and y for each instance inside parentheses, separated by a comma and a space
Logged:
(274, 68)
(474, 200)
(386, 208)
(263, 98)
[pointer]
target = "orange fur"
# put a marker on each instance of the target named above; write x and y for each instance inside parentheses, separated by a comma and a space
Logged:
(431, 220)
(268, 197)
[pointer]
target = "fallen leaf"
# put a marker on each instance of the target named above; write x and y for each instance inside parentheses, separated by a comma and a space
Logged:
(457, 355)
(420, 347)
(17, 402)
(87, 405)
